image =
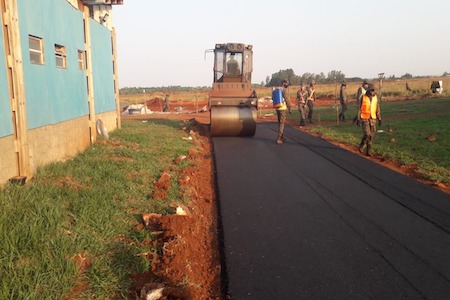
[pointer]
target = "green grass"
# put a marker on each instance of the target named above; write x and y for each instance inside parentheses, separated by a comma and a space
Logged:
(87, 206)
(411, 122)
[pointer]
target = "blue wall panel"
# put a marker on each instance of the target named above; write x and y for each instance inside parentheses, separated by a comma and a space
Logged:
(6, 126)
(102, 68)
(53, 95)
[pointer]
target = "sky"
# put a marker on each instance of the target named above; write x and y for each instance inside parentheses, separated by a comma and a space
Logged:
(163, 43)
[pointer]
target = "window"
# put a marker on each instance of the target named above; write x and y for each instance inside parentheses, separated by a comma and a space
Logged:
(81, 60)
(60, 56)
(36, 45)
(218, 64)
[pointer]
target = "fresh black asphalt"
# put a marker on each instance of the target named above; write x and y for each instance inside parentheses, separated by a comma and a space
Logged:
(309, 220)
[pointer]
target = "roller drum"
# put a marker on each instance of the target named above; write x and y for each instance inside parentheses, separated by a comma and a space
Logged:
(233, 121)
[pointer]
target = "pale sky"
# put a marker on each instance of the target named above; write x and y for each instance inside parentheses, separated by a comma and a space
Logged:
(163, 43)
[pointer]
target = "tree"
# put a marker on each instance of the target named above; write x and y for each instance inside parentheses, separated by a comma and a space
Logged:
(288, 74)
(335, 76)
(445, 74)
(406, 76)
(320, 78)
(307, 77)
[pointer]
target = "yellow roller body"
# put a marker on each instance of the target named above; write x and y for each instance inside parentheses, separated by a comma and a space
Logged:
(233, 121)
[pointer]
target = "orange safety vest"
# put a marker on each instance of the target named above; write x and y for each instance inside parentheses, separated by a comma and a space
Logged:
(369, 108)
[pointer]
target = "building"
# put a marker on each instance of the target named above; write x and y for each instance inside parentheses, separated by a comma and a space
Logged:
(58, 77)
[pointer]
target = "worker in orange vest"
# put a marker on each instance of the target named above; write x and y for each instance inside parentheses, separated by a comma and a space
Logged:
(369, 114)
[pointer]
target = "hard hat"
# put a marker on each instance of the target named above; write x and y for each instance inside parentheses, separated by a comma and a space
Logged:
(371, 87)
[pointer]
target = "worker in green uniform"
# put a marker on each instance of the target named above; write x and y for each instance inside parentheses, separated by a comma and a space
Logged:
(311, 98)
(301, 103)
(343, 101)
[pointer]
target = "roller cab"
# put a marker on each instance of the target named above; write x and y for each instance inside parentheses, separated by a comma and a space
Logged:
(232, 101)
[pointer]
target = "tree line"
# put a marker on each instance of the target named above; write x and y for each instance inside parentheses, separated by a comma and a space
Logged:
(277, 78)
(332, 77)
(274, 80)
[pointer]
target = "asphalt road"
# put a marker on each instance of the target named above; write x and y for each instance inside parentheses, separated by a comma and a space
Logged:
(308, 220)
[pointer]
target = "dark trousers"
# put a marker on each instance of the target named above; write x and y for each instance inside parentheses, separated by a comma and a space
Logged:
(302, 112)
(369, 129)
(310, 104)
(343, 110)
(281, 114)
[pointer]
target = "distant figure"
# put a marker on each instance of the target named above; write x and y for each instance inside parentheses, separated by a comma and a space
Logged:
(233, 66)
(166, 104)
(435, 86)
(311, 93)
(369, 114)
(408, 88)
(361, 91)
(343, 101)
(301, 103)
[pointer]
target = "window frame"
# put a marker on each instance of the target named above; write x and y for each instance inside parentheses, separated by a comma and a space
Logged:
(60, 56)
(82, 60)
(36, 55)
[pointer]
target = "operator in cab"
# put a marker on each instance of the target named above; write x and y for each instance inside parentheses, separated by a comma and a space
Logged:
(233, 68)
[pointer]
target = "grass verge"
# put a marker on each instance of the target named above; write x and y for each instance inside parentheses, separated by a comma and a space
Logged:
(70, 229)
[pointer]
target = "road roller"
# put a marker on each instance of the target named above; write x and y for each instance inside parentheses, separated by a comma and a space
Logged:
(232, 101)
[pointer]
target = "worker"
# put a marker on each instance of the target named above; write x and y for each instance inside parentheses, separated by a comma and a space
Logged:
(435, 87)
(301, 103)
(369, 114)
(166, 107)
(343, 101)
(408, 88)
(311, 98)
(281, 111)
(233, 66)
(361, 91)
